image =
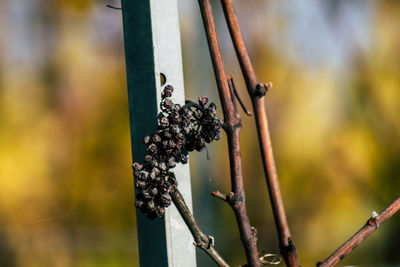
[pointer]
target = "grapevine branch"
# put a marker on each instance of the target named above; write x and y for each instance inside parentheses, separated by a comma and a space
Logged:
(232, 128)
(201, 240)
(370, 226)
(256, 92)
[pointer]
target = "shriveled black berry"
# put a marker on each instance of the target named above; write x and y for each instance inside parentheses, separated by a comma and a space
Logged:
(171, 162)
(156, 138)
(152, 148)
(136, 166)
(180, 136)
(203, 100)
(184, 159)
(160, 211)
(145, 195)
(217, 136)
(167, 92)
(144, 175)
(154, 163)
(164, 121)
(162, 166)
(137, 173)
(166, 200)
(150, 205)
(153, 191)
(139, 204)
(156, 171)
(179, 144)
(164, 144)
(175, 129)
(167, 135)
(141, 184)
(167, 104)
(146, 140)
(171, 144)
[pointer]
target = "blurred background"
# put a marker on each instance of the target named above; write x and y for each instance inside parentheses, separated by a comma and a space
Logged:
(65, 177)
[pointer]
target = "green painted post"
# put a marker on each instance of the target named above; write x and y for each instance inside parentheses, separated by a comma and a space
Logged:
(152, 46)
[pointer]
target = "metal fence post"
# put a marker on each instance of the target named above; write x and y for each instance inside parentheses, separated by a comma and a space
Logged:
(152, 47)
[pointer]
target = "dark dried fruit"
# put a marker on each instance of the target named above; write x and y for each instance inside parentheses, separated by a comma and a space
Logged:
(171, 162)
(181, 129)
(152, 148)
(146, 140)
(141, 184)
(167, 92)
(203, 100)
(136, 166)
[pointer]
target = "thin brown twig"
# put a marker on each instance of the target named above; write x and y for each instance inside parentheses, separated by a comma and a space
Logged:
(202, 241)
(256, 92)
(113, 7)
(219, 195)
(234, 92)
(232, 128)
(370, 226)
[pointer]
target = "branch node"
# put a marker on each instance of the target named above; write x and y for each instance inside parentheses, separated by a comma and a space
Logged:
(374, 215)
(253, 232)
(234, 199)
(229, 128)
(219, 195)
(262, 88)
(211, 242)
(373, 221)
(231, 198)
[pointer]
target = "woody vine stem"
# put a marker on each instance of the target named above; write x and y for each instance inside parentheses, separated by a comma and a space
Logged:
(232, 126)
(257, 92)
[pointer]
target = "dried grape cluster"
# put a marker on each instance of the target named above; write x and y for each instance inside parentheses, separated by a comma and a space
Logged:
(181, 129)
